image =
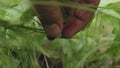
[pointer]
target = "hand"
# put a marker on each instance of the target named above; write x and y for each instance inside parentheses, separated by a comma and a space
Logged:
(79, 19)
(52, 19)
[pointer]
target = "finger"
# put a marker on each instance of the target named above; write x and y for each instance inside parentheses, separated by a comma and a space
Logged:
(94, 2)
(68, 10)
(79, 19)
(51, 19)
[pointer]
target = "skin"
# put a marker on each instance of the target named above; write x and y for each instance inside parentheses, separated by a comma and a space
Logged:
(79, 19)
(52, 19)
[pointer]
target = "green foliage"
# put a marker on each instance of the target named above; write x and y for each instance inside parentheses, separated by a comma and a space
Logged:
(22, 39)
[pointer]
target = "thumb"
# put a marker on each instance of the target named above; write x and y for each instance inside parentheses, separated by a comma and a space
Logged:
(51, 19)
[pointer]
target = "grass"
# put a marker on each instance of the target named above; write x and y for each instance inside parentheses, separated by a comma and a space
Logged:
(22, 40)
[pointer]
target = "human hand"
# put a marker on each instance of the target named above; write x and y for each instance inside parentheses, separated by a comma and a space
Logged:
(52, 19)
